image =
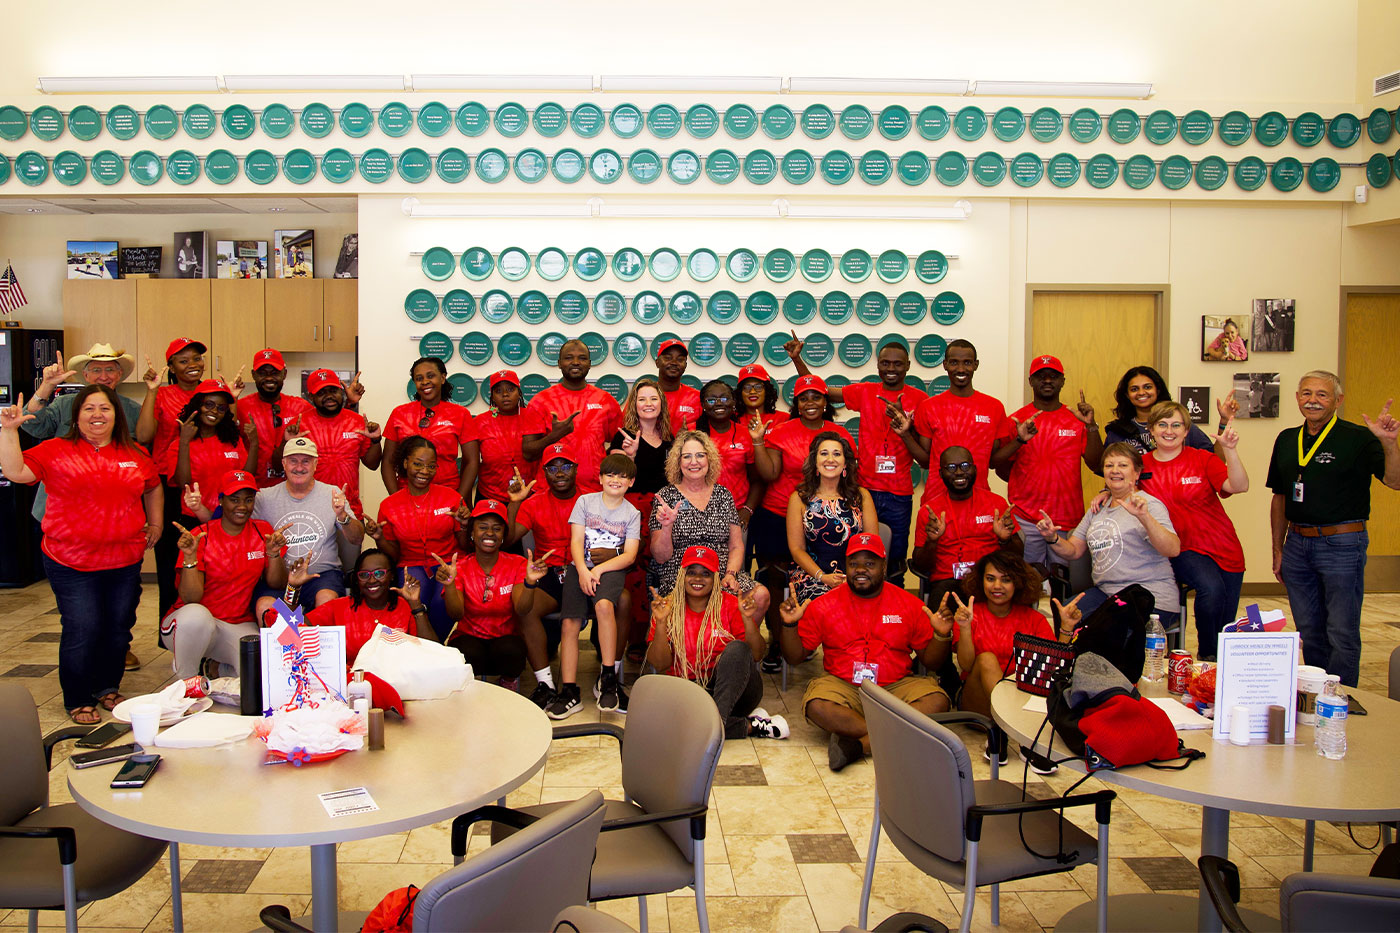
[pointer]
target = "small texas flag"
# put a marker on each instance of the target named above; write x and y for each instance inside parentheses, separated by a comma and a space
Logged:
(1271, 620)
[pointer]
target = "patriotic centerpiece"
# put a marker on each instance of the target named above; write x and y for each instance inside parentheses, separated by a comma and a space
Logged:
(314, 722)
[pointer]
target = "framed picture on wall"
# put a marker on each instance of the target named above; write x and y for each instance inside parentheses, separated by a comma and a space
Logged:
(241, 259)
(93, 259)
(1273, 325)
(1223, 339)
(347, 266)
(192, 255)
(1257, 394)
(292, 254)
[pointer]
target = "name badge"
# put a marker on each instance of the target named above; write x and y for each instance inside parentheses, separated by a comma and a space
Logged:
(1298, 491)
(865, 670)
(884, 464)
(962, 568)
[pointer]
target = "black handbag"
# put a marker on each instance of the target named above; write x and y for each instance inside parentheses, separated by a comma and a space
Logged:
(1117, 630)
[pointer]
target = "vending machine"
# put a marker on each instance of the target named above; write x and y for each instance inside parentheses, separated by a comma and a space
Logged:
(23, 355)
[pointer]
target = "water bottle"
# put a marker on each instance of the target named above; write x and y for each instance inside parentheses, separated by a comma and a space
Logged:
(1331, 732)
(1154, 667)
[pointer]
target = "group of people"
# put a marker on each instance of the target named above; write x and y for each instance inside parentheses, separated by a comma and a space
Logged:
(680, 522)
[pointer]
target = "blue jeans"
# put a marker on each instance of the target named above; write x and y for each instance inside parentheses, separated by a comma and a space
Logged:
(895, 511)
(430, 595)
(1093, 598)
(1217, 596)
(1326, 578)
(97, 610)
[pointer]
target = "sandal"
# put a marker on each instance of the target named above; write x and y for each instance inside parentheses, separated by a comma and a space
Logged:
(110, 701)
(85, 715)
(637, 653)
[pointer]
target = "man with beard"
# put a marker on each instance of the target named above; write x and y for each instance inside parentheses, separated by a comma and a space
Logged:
(270, 411)
(683, 401)
(868, 630)
(958, 524)
(343, 438)
(585, 414)
(961, 416)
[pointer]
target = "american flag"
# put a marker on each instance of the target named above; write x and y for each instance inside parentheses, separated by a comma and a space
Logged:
(392, 635)
(310, 641)
(11, 295)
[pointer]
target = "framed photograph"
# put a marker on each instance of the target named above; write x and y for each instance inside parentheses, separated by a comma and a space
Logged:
(1257, 394)
(93, 259)
(192, 255)
(348, 265)
(1273, 325)
(291, 254)
(1223, 339)
(1197, 402)
(141, 261)
(241, 259)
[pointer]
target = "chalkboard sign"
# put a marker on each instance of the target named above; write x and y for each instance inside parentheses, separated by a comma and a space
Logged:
(141, 260)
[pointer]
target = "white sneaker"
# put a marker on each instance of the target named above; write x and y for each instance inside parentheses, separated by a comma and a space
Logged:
(764, 727)
(759, 713)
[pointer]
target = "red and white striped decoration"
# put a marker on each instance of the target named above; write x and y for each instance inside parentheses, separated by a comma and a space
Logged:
(11, 295)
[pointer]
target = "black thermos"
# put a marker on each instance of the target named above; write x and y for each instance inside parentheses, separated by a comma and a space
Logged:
(250, 675)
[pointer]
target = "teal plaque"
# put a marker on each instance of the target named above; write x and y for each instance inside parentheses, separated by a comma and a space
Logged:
(929, 351)
(1379, 125)
(513, 263)
(1062, 170)
(1344, 130)
(531, 165)
(816, 265)
(420, 305)
(970, 123)
(338, 165)
(612, 384)
(587, 120)
(875, 167)
(434, 119)
(773, 352)
(724, 307)
(514, 348)
(856, 121)
(1008, 124)
(534, 384)
(760, 167)
(395, 119)
(895, 122)
(181, 165)
(931, 266)
(1046, 125)
(604, 166)
(872, 308)
(590, 264)
(779, 265)
(685, 307)
(1101, 170)
(568, 166)
(818, 122)
(664, 121)
(260, 167)
(1197, 127)
(220, 166)
(706, 349)
(741, 264)
(477, 263)
(1124, 125)
(722, 166)
(550, 119)
(414, 165)
(701, 121)
(198, 121)
(1235, 128)
(629, 350)
(913, 168)
(837, 166)
(1160, 127)
(453, 165)
(1250, 173)
(123, 122)
(317, 120)
(376, 165)
(626, 120)
(437, 345)
(70, 168)
(299, 166)
(892, 266)
(108, 167)
(475, 348)
(664, 264)
(951, 168)
(473, 119)
(511, 120)
(1308, 129)
(644, 166)
(1378, 170)
(1139, 171)
(85, 123)
(740, 121)
(458, 306)
(497, 306)
(742, 349)
(947, 308)
(1286, 174)
(989, 169)
(463, 388)
(648, 307)
(910, 308)
(161, 121)
(854, 351)
(778, 122)
(145, 166)
(629, 264)
(933, 122)
(1026, 169)
(492, 165)
(1176, 172)
(609, 307)
(14, 123)
(702, 264)
(1323, 174)
(836, 307)
(683, 167)
(855, 265)
(1085, 125)
(761, 307)
(1271, 128)
(799, 307)
(533, 307)
(571, 306)
(818, 350)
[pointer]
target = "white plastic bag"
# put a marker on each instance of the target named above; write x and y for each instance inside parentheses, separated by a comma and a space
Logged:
(417, 669)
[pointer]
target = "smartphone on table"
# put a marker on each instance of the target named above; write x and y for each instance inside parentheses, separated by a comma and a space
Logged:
(104, 756)
(136, 772)
(103, 734)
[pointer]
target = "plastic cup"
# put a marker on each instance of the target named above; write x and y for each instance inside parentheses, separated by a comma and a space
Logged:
(145, 723)
(1310, 682)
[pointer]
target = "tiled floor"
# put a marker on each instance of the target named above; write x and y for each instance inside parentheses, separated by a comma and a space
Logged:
(787, 838)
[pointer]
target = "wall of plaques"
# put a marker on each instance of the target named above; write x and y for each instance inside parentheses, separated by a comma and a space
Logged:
(583, 142)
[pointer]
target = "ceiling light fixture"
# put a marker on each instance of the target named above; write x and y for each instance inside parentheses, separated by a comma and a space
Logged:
(877, 86)
(960, 209)
(501, 82)
(131, 84)
(1137, 91)
(729, 83)
(315, 82)
(417, 208)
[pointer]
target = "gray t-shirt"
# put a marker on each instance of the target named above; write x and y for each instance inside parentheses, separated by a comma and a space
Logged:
(1122, 554)
(54, 421)
(605, 527)
(314, 528)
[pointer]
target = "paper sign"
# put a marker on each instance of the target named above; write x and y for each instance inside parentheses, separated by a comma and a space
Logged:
(347, 802)
(324, 647)
(1256, 670)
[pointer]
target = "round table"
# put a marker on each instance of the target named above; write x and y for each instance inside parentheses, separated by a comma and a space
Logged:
(1272, 780)
(447, 757)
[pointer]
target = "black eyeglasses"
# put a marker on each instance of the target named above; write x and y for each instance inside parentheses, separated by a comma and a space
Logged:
(276, 414)
(716, 400)
(955, 467)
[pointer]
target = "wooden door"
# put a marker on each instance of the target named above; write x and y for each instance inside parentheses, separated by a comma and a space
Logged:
(1370, 347)
(101, 312)
(237, 314)
(1098, 336)
(341, 310)
(170, 308)
(294, 315)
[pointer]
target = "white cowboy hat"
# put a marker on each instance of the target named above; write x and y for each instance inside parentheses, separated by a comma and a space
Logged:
(103, 352)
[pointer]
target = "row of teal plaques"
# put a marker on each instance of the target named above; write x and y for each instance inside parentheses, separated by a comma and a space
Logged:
(701, 121)
(628, 264)
(706, 349)
(606, 166)
(685, 307)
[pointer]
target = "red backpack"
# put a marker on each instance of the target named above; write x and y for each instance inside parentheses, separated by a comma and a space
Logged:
(393, 914)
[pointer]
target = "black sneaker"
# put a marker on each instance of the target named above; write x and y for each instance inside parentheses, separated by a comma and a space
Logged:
(566, 702)
(1001, 753)
(771, 664)
(622, 700)
(544, 694)
(608, 690)
(841, 750)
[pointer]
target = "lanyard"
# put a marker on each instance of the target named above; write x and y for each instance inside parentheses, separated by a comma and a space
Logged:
(1304, 460)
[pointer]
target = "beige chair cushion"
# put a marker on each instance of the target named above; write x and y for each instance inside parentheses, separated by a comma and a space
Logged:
(109, 860)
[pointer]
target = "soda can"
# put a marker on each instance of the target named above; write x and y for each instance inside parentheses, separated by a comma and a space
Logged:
(1178, 671)
(196, 687)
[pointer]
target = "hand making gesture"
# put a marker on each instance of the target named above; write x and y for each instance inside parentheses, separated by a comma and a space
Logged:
(55, 375)
(791, 611)
(298, 575)
(1084, 411)
(661, 608)
(557, 428)
(294, 429)
(1004, 526)
(192, 497)
(1385, 427)
(188, 543)
(15, 415)
(355, 390)
(936, 525)
(150, 376)
(446, 573)
(1070, 615)
(339, 502)
(275, 543)
(1025, 430)
(630, 442)
(1229, 438)
(665, 514)
(519, 489)
(1136, 505)
(963, 614)
(899, 418)
(943, 618)
(793, 348)
(410, 591)
(376, 530)
(756, 429)
(1047, 527)
(189, 429)
(536, 568)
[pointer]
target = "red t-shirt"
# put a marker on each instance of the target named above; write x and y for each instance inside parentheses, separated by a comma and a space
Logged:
(996, 635)
(1045, 472)
(949, 420)
(359, 622)
(232, 565)
(502, 451)
(422, 525)
(730, 628)
(547, 516)
(793, 441)
(269, 437)
(489, 613)
(885, 463)
(339, 446)
(968, 535)
(684, 407)
(1189, 486)
(210, 459)
(599, 419)
(735, 455)
(95, 519)
(880, 630)
(771, 419)
(450, 428)
(165, 447)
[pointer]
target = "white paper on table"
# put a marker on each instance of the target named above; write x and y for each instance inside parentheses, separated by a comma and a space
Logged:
(1183, 717)
(204, 730)
(1256, 670)
(1035, 704)
(347, 802)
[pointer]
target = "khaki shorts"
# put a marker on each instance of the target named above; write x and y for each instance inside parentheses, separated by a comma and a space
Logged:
(844, 693)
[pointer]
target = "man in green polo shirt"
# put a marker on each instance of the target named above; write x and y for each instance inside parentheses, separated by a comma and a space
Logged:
(1320, 474)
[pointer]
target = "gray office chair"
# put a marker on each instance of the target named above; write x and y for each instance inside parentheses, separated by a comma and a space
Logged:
(580, 919)
(654, 840)
(1393, 686)
(54, 857)
(1309, 900)
(519, 884)
(970, 833)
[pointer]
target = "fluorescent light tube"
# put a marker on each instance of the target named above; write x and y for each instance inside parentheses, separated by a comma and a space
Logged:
(1137, 91)
(733, 83)
(413, 207)
(132, 84)
(700, 207)
(314, 82)
(877, 86)
(817, 210)
(502, 82)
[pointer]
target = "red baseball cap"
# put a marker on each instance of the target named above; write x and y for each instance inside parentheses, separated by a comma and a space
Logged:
(668, 344)
(264, 357)
(504, 375)
(179, 343)
(809, 383)
(865, 541)
(214, 385)
(235, 480)
(490, 507)
(558, 452)
(1046, 362)
(754, 371)
(320, 379)
(704, 556)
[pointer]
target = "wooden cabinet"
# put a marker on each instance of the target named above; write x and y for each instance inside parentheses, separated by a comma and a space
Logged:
(312, 315)
(170, 308)
(341, 309)
(237, 310)
(101, 312)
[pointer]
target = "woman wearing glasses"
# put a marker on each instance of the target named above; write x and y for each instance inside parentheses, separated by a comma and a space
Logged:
(419, 521)
(373, 600)
(450, 427)
(486, 593)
